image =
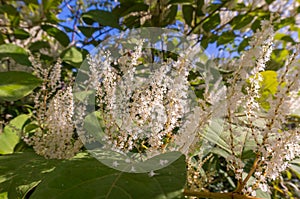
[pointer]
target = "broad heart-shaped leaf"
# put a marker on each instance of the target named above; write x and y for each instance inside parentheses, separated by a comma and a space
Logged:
(15, 52)
(16, 84)
(59, 35)
(21, 172)
(103, 17)
(88, 178)
(10, 136)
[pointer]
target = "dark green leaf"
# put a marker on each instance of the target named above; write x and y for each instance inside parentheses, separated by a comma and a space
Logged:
(38, 45)
(255, 25)
(187, 11)
(15, 84)
(132, 22)
(21, 34)
(59, 35)
(248, 154)
(200, 4)
(269, 1)
(285, 22)
(1, 39)
(180, 1)
(131, 1)
(204, 42)
(241, 21)
(15, 52)
(10, 136)
(31, 2)
(127, 8)
(104, 18)
(88, 178)
(21, 172)
(170, 16)
(226, 37)
(243, 44)
(87, 31)
(211, 22)
(9, 9)
(13, 14)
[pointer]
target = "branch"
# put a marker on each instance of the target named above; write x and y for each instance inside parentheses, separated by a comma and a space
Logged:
(256, 164)
(211, 195)
(206, 17)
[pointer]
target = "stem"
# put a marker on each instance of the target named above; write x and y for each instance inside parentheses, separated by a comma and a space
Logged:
(230, 195)
(254, 167)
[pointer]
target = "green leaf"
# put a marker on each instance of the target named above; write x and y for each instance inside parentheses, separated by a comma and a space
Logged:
(214, 132)
(126, 8)
(226, 37)
(268, 87)
(59, 35)
(2, 38)
(16, 84)
(38, 45)
(15, 52)
(88, 178)
(4, 195)
(204, 41)
(21, 34)
(48, 5)
(261, 194)
(284, 37)
(103, 17)
(8, 141)
(72, 56)
(200, 4)
(132, 21)
(285, 22)
(9, 9)
(241, 21)
(243, 44)
(295, 167)
(187, 11)
(170, 16)
(211, 22)
(256, 24)
(269, 1)
(87, 31)
(180, 1)
(21, 172)
(10, 136)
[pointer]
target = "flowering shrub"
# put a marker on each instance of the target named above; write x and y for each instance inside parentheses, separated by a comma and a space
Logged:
(164, 124)
(141, 117)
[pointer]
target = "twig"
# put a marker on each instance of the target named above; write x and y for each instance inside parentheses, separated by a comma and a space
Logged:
(256, 163)
(211, 195)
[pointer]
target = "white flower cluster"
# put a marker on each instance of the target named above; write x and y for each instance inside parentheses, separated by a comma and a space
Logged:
(143, 105)
(54, 137)
(274, 145)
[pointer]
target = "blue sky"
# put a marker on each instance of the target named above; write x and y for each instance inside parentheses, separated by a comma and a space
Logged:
(211, 50)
